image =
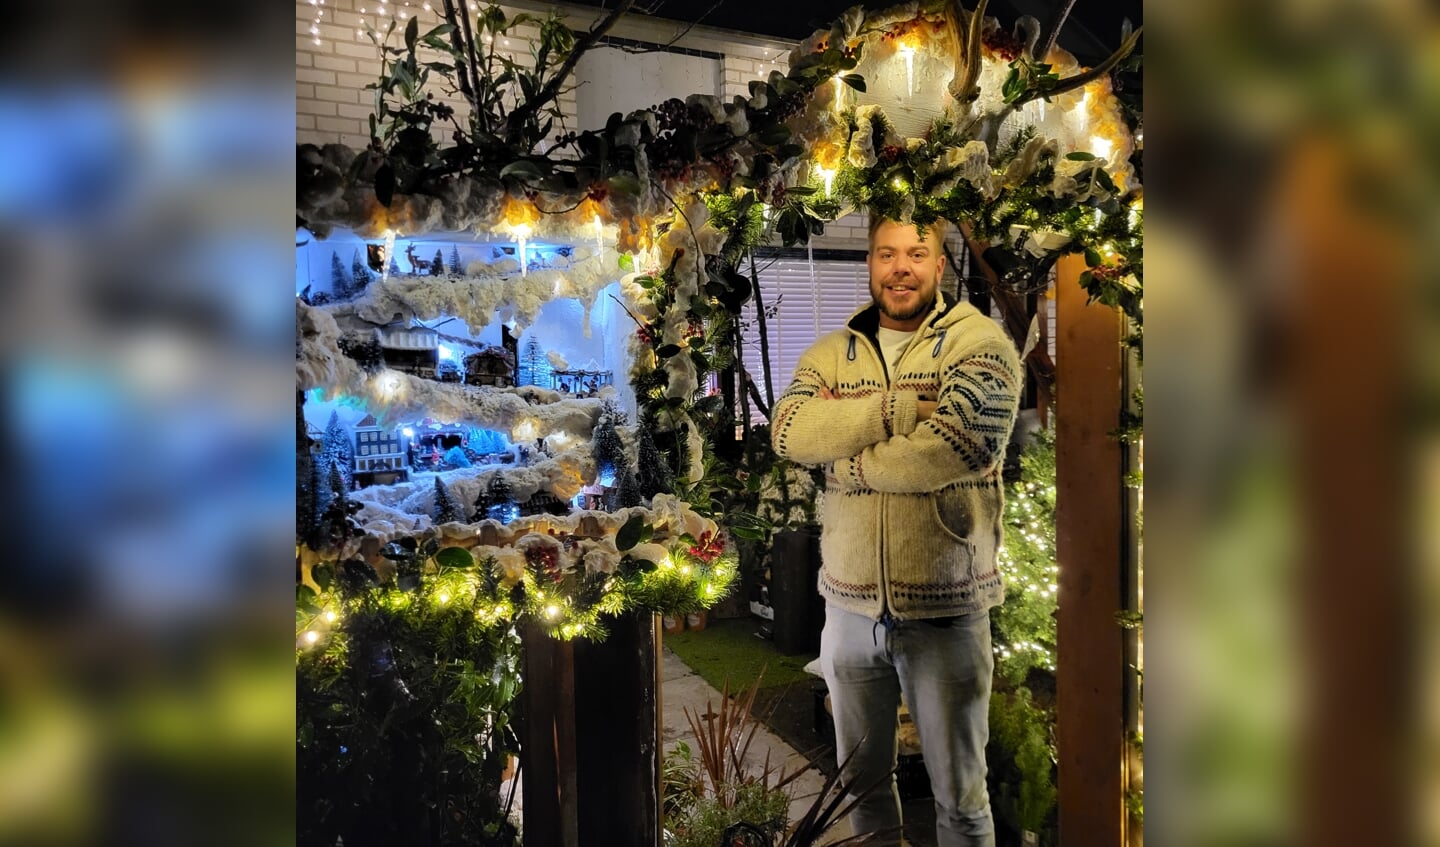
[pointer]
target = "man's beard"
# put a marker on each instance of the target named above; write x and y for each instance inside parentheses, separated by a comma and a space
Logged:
(920, 308)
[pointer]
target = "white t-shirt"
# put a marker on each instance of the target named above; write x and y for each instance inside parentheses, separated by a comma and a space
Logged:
(892, 343)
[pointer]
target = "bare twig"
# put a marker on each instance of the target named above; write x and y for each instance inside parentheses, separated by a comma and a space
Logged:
(551, 90)
(1052, 31)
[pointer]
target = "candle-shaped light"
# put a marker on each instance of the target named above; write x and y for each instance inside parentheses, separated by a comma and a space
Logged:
(599, 237)
(839, 93)
(828, 177)
(909, 53)
(389, 252)
(522, 232)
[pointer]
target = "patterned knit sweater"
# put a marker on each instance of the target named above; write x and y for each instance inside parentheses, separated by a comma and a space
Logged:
(912, 519)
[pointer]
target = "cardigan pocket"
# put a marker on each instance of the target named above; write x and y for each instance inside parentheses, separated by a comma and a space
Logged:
(952, 513)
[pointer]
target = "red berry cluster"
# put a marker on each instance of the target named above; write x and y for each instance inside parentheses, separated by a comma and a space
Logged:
(1003, 44)
(709, 547)
(545, 560)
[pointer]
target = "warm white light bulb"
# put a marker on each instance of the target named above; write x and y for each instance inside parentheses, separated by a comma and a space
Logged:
(311, 636)
(552, 611)
(330, 616)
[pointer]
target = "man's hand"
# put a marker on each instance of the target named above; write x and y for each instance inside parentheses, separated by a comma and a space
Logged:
(924, 408)
(826, 393)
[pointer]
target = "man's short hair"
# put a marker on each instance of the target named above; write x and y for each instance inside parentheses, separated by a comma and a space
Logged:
(939, 225)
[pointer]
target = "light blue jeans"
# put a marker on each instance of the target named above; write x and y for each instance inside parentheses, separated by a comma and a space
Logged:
(944, 672)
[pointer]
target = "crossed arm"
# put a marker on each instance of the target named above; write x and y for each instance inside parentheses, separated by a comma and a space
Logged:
(927, 444)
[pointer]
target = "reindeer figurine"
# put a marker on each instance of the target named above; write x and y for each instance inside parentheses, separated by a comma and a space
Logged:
(416, 265)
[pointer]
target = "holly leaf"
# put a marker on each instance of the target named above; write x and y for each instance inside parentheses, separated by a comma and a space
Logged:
(667, 351)
(633, 532)
(454, 558)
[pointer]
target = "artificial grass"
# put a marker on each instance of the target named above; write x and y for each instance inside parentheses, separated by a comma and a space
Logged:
(729, 650)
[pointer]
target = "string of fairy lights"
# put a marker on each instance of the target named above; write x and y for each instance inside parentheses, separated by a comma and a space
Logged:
(463, 590)
(1029, 517)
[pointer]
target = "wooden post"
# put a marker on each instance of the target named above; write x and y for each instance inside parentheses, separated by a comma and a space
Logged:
(548, 740)
(591, 737)
(1090, 530)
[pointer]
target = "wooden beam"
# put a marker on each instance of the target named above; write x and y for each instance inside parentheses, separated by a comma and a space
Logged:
(551, 816)
(1090, 531)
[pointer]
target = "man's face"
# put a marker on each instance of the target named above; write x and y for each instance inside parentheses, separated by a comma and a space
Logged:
(905, 272)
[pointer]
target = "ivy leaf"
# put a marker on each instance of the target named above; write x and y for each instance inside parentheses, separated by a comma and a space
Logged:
(322, 574)
(454, 558)
(521, 169)
(627, 263)
(855, 81)
(631, 533)
(412, 32)
(306, 598)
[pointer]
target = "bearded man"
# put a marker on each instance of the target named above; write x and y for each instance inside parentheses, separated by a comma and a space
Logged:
(910, 408)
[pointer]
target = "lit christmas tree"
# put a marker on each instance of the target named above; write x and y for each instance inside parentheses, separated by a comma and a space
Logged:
(446, 509)
(1025, 623)
(502, 506)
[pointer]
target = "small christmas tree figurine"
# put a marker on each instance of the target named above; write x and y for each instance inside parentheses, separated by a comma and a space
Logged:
(446, 509)
(340, 282)
(394, 269)
(628, 493)
(336, 449)
(337, 524)
(305, 476)
(503, 507)
(608, 449)
(482, 505)
(437, 267)
(359, 274)
(652, 474)
(455, 269)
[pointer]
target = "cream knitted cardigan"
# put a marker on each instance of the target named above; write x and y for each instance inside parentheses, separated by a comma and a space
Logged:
(912, 519)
